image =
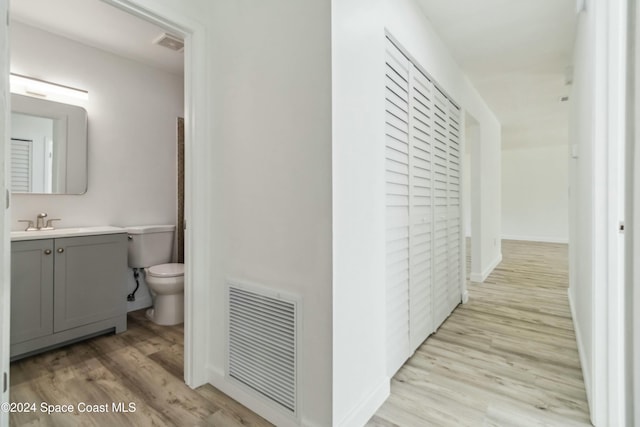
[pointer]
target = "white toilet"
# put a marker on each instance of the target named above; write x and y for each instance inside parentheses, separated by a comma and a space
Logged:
(150, 247)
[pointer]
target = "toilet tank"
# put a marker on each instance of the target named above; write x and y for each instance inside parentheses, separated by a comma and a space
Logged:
(150, 245)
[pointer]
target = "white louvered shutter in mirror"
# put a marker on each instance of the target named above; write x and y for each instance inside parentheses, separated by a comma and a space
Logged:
(397, 207)
(423, 230)
(21, 161)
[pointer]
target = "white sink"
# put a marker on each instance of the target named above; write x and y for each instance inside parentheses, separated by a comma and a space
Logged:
(65, 232)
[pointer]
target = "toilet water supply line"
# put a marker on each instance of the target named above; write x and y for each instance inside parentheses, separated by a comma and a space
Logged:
(132, 295)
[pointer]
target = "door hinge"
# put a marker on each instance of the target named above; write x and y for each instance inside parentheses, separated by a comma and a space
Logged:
(5, 383)
(8, 202)
(8, 18)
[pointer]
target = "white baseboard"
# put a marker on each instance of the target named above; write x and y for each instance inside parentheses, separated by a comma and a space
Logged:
(363, 411)
(357, 417)
(475, 277)
(465, 297)
(586, 374)
(541, 239)
(251, 400)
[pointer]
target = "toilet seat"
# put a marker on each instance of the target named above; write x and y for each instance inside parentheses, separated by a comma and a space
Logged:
(166, 270)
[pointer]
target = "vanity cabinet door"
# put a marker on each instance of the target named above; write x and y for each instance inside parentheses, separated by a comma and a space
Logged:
(89, 279)
(31, 289)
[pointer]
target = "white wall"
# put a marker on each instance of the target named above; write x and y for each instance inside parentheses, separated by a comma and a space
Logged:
(535, 193)
(360, 383)
(406, 22)
(132, 112)
(271, 143)
(466, 190)
(582, 134)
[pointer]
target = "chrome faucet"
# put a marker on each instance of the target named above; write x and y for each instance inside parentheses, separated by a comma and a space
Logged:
(30, 226)
(40, 224)
(40, 220)
(49, 225)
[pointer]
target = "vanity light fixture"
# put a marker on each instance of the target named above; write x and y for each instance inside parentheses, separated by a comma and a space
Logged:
(35, 87)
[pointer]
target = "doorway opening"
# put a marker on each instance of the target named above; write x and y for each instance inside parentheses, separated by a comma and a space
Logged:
(182, 26)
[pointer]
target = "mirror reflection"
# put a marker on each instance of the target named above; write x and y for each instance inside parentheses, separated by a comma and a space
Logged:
(48, 147)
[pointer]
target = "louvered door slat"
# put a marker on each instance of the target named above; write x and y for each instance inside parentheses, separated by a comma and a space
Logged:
(397, 207)
(420, 253)
(454, 222)
(441, 270)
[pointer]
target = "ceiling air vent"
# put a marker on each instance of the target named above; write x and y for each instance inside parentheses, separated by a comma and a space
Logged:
(170, 42)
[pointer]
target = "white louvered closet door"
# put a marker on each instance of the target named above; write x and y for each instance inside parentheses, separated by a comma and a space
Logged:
(421, 209)
(397, 207)
(441, 208)
(423, 227)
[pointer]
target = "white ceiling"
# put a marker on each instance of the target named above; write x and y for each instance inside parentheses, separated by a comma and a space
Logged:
(516, 53)
(97, 24)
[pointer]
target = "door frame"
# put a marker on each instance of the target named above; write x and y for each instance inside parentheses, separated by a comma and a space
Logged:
(608, 395)
(609, 310)
(5, 244)
(197, 176)
(632, 292)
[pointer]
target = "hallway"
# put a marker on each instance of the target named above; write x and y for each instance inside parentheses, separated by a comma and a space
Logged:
(506, 358)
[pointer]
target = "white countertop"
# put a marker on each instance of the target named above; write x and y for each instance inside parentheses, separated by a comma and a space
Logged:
(65, 232)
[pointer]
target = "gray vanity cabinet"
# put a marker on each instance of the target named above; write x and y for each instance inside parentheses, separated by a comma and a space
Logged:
(66, 289)
(88, 274)
(31, 290)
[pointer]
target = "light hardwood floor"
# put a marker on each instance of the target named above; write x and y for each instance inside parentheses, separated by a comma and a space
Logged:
(507, 358)
(143, 365)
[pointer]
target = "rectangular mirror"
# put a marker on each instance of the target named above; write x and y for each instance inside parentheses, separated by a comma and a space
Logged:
(48, 147)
